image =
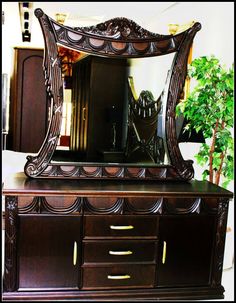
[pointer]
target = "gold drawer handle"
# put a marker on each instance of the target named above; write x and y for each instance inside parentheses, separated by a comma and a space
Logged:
(121, 227)
(120, 277)
(75, 253)
(164, 253)
(120, 253)
(84, 114)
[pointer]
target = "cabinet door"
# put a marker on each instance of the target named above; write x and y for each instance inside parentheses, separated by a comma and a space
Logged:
(28, 102)
(46, 251)
(187, 255)
(98, 104)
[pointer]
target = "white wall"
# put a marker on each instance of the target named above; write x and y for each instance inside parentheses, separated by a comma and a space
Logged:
(216, 37)
(217, 20)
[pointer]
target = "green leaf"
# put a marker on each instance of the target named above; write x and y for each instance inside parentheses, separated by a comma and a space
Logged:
(210, 102)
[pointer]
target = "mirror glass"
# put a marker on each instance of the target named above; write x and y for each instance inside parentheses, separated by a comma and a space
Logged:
(114, 109)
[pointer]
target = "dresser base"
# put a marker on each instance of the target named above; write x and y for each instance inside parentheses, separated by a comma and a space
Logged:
(190, 293)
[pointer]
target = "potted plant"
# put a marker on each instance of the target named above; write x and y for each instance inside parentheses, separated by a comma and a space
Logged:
(209, 108)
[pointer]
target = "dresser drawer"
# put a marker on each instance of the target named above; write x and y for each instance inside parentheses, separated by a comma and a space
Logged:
(120, 226)
(119, 251)
(119, 276)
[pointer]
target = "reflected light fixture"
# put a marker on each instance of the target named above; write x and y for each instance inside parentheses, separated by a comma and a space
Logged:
(67, 56)
(26, 11)
(61, 17)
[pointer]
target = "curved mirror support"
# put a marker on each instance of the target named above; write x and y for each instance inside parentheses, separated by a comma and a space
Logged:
(145, 144)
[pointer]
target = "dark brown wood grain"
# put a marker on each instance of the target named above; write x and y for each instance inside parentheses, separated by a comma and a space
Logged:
(60, 217)
(97, 277)
(28, 102)
(100, 226)
(40, 235)
(45, 252)
(104, 251)
(21, 184)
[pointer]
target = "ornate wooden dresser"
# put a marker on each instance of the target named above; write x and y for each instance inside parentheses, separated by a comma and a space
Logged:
(113, 240)
(115, 231)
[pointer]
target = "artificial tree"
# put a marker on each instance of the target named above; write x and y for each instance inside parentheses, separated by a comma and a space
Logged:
(209, 108)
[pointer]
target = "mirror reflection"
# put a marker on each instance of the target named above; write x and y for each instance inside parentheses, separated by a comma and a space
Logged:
(113, 109)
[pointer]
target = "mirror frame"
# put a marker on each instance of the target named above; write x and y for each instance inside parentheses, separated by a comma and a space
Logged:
(116, 38)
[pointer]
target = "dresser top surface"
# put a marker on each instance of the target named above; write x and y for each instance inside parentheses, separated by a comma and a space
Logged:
(19, 184)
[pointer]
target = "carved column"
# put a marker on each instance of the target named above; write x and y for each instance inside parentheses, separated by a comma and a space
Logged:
(220, 241)
(9, 283)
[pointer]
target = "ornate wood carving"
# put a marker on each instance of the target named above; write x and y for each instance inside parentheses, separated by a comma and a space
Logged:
(127, 200)
(172, 209)
(220, 241)
(10, 244)
(119, 205)
(155, 208)
(142, 127)
(118, 37)
(108, 171)
(119, 28)
(178, 75)
(40, 205)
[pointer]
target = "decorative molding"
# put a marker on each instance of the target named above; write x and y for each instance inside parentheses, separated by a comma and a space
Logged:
(116, 37)
(109, 171)
(40, 205)
(156, 208)
(10, 281)
(80, 205)
(193, 208)
(116, 208)
(183, 167)
(119, 28)
(220, 241)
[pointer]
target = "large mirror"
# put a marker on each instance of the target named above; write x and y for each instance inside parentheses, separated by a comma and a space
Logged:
(114, 109)
(113, 89)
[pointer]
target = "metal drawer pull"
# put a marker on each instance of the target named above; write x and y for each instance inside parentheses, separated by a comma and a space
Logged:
(120, 253)
(164, 253)
(84, 114)
(121, 277)
(121, 227)
(75, 253)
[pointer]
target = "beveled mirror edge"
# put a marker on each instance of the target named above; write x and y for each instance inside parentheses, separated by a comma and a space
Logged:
(135, 42)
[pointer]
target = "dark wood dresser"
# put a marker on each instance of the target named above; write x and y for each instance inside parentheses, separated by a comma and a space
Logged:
(113, 240)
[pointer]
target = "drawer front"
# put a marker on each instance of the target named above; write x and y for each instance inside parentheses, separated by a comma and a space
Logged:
(120, 226)
(121, 276)
(119, 251)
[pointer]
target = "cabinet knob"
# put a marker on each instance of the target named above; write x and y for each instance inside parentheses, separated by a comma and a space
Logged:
(120, 253)
(120, 277)
(121, 227)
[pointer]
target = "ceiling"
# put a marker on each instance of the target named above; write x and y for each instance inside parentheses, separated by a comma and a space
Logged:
(145, 14)
(85, 13)
(90, 13)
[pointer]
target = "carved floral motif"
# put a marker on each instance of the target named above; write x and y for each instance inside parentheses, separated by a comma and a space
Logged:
(220, 240)
(119, 28)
